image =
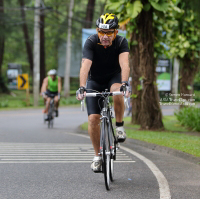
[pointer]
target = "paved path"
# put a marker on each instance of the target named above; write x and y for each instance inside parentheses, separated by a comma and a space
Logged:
(37, 162)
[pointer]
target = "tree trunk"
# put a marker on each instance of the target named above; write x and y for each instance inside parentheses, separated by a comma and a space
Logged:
(26, 37)
(3, 87)
(1, 50)
(2, 38)
(136, 74)
(56, 54)
(68, 52)
(103, 7)
(150, 116)
(89, 13)
(2, 41)
(42, 48)
(188, 72)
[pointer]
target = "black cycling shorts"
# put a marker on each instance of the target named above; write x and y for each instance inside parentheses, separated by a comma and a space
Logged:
(94, 104)
(51, 94)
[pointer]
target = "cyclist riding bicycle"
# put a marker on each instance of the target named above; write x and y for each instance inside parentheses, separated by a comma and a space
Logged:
(51, 86)
(105, 65)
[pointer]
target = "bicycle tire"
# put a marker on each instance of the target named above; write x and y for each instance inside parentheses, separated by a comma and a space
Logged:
(48, 123)
(112, 156)
(106, 154)
(50, 115)
(112, 150)
(111, 170)
(51, 121)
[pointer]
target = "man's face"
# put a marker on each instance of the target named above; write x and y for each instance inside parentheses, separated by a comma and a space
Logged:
(106, 39)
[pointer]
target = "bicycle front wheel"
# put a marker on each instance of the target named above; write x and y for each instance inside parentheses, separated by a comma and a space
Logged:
(112, 149)
(106, 154)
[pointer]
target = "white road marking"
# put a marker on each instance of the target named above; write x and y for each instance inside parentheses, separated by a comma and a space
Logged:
(39, 162)
(162, 181)
(50, 153)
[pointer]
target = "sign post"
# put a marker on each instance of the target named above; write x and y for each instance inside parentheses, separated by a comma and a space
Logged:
(23, 84)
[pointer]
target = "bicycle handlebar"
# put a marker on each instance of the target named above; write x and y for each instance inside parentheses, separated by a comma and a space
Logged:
(100, 95)
(103, 94)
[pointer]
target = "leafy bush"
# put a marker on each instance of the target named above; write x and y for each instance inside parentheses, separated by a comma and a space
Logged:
(70, 100)
(190, 117)
(197, 96)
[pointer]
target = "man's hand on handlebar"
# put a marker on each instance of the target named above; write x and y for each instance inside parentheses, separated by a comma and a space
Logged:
(44, 95)
(125, 89)
(80, 93)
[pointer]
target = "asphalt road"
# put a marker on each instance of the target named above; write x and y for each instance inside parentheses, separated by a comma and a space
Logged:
(37, 162)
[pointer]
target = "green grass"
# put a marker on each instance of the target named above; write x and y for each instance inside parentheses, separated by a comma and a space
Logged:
(173, 137)
(84, 126)
(19, 100)
(182, 142)
(170, 122)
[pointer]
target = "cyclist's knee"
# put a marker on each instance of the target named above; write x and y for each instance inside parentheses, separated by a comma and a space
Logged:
(94, 119)
(48, 100)
(56, 100)
(115, 87)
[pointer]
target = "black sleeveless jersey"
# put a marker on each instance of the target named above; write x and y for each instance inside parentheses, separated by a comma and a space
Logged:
(105, 61)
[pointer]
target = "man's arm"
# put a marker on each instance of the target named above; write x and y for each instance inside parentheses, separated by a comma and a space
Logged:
(44, 85)
(59, 85)
(124, 64)
(85, 68)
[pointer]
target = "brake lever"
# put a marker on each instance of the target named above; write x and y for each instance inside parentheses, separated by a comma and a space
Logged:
(126, 102)
(82, 105)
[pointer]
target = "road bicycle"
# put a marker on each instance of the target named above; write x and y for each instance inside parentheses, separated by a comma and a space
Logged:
(108, 141)
(51, 112)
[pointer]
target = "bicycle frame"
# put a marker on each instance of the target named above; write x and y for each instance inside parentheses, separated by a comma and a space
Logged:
(107, 114)
(108, 140)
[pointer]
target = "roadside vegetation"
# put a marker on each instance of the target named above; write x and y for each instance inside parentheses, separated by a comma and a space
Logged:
(174, 136)
(18, 100)
(189, 117)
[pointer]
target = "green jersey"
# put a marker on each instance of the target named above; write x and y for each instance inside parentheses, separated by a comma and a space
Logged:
(53, 85)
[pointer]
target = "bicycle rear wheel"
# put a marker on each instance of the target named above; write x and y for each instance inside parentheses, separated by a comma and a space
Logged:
(51, 115)
(106, 154)
(51, 123)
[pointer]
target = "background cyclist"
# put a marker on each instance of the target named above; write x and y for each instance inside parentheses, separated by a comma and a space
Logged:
(105, 65)
(51, 86)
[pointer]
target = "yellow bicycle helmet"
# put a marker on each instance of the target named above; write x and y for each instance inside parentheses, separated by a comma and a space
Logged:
(107, 21)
